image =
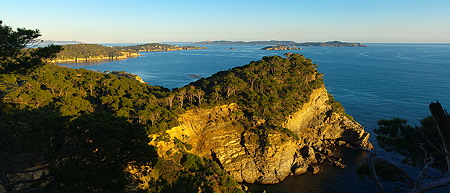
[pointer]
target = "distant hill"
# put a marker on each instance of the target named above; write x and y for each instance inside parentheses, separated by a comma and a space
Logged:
(271, 42)
(90, 52)
(156, 47)
(93, 52)
(285, 43)
(280, 47)
(331, 44)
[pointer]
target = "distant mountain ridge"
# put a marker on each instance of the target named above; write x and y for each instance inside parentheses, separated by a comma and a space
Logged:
(48, 42)
(286, 43)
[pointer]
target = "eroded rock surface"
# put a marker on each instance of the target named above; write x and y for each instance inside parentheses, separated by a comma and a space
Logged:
(250, 157)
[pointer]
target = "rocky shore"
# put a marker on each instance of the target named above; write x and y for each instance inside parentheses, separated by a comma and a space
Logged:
(212, 134)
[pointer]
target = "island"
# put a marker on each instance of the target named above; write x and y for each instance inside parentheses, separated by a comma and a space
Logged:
(82, 52)
(225, 42)
(285, 43)
(75, 53)
(331, 44)
(156, 47)
(280, 47)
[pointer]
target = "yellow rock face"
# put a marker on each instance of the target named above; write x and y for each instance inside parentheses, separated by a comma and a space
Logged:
(216, 133)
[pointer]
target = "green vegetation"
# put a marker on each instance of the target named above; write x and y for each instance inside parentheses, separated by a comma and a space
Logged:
(395, 135)
(420, 147)
(267, 90)
(14, 54)
(86, 52)
(66, 123)
(190, 173)
(155, 47)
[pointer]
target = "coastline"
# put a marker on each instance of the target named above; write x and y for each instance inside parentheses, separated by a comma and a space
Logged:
(124, 55)
(95, 59)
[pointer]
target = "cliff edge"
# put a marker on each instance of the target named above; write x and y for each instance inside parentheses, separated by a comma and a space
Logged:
(249, 157)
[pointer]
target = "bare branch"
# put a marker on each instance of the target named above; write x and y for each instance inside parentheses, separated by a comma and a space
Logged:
(431, 144)
(373, 172)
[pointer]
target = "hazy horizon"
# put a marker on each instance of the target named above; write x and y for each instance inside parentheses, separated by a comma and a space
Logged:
(383, 21)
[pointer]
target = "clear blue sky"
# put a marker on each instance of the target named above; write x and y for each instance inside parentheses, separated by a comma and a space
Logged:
(127, 21)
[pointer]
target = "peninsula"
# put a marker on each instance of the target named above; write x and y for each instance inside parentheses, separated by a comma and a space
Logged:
(156, 47)
(285, 43)
(75, 53)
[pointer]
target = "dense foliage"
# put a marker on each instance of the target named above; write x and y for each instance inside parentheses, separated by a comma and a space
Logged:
(80, 102)
(412, 142)
(95, 122)
(269, 89)
(14, 54)
(88, 128)
(89, 51)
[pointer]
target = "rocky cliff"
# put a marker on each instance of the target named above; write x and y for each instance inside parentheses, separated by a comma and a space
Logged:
(249, 157)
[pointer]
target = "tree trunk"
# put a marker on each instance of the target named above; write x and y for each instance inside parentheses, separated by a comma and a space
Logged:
(442, 120)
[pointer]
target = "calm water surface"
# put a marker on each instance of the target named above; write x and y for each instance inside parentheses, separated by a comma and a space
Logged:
(381, 81)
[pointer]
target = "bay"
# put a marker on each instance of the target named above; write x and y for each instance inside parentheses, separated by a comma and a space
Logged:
(381, 81)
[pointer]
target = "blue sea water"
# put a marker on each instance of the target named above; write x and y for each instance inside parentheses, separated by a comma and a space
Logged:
(381, 81)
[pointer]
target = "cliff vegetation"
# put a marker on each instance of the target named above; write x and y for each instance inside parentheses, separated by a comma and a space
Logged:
(89, 52)
(74, 130)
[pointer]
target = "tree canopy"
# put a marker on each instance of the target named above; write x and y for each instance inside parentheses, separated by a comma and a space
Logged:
(87, 131)
(16, 54)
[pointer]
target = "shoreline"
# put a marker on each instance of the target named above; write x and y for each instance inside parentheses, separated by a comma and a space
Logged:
(125, 55)
(88, 60)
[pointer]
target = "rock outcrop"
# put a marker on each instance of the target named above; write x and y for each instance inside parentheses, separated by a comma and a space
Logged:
(249, 157)
(280, 47)
(123, 55)
(128, 75)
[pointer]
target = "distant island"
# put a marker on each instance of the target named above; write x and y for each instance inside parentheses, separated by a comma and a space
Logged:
(271, 42)
(280, 47)
(156, 47)
(75, 53)
(286, 43)
(331, 44)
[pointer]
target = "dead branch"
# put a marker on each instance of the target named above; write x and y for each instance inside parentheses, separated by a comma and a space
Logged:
(373, 172)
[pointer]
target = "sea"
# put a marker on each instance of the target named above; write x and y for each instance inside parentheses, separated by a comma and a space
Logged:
(381, 81)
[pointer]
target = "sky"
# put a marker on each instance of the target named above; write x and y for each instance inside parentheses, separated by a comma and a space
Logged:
(143, 21)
